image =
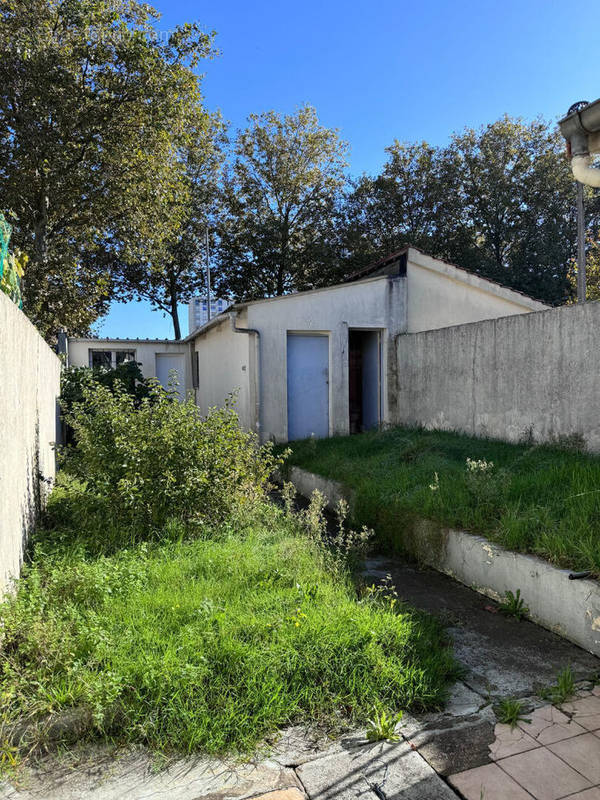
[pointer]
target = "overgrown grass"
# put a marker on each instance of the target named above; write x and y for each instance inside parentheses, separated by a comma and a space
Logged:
(543, 500)
(206, 643)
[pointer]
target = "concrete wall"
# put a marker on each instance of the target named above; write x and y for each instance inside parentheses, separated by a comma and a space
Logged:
(378, 303)
(227, 364)
(145, 353)
(30, 387)
(528, 375)
(440, 294)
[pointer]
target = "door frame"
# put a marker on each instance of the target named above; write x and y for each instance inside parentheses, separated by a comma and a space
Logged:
(381, 352)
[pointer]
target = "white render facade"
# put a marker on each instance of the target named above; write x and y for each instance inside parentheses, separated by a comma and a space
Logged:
(156, 357)
(321, 362)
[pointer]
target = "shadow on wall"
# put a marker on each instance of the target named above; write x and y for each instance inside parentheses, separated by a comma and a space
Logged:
(38, 485)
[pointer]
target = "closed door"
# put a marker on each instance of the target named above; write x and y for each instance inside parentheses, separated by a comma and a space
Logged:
(307, 385)
(168, 363)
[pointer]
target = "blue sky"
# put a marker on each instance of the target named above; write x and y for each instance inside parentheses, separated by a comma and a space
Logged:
(386, 70)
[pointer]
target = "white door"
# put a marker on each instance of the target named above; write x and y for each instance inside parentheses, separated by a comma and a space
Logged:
(166, 363)
(307, 385)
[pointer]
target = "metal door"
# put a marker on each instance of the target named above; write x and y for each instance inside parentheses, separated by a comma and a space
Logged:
(165, 364)
(307, 385)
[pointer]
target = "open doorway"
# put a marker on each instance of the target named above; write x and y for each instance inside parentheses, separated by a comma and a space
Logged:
(364, 356)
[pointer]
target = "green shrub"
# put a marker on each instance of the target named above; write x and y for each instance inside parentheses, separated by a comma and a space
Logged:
(156, 458)
(128, 375)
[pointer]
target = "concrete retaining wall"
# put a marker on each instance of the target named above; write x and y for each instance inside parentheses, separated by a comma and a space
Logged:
(29, 390)
(569, 608)
(534, 376)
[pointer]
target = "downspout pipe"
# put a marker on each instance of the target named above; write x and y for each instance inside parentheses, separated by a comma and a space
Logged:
(584, 173)
(581, 129)
(256, 336)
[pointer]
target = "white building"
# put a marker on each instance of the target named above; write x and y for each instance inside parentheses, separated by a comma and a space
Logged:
(198, 310)
(321, 362)
(157, 357)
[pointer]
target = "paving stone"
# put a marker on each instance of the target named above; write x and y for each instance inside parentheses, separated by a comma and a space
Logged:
(510, 741)
(588, 794)
(281, 794)
(463, 701)
(548, 725)
(582, 753)
(489, 782)
(543, 774)
(452, 744)
(393, 770)
(585, 712)
(133, 776)
(298, 744)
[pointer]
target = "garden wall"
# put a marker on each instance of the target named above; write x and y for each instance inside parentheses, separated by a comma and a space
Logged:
(570, 608)
(531, 376)
(29, 390)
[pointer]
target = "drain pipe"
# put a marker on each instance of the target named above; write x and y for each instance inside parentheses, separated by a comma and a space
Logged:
(256, 336)
(581, 129)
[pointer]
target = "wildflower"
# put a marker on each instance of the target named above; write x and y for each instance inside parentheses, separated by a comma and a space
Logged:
(436, 483)
(479, 465)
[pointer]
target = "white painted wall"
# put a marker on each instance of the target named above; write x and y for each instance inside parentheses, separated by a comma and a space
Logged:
(440, 295)
(145, 353)
(376, 303)
(226, 365)
(29, 391)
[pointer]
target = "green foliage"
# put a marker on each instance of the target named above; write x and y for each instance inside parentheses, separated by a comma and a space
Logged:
(513, 605)
(499, 201)
(96, 107)
(382, 726)
(510, 711)
(563, 689)
(206, 643)
(12, 265)
(536, 499)
(157, 458)
(128, 375)
(278, 204)
(174, 276)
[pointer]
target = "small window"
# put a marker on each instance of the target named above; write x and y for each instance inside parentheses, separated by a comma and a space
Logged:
(123, 356)
(100, 358)
(195, 370)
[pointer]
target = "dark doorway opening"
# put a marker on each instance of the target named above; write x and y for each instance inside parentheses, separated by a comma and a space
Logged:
(364, 361)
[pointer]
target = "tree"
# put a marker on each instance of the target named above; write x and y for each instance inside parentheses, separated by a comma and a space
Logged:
(176, 274)
(592, 272)
(401, 206)
(513, 206)
(276, 228)
(499, 201)
(94, 109)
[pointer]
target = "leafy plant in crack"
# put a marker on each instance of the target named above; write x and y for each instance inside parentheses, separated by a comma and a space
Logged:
(510, 711)
(382, 727)
(564, 688)
(513, 605)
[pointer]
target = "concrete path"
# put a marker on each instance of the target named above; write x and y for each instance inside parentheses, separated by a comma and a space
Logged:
(502, 656)
(545, 758)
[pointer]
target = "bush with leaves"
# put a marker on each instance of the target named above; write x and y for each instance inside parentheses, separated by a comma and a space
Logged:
(159, 459)
(128, 375)
(73, 380)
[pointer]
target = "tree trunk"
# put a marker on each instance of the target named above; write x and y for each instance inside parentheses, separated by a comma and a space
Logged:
(174, 311)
